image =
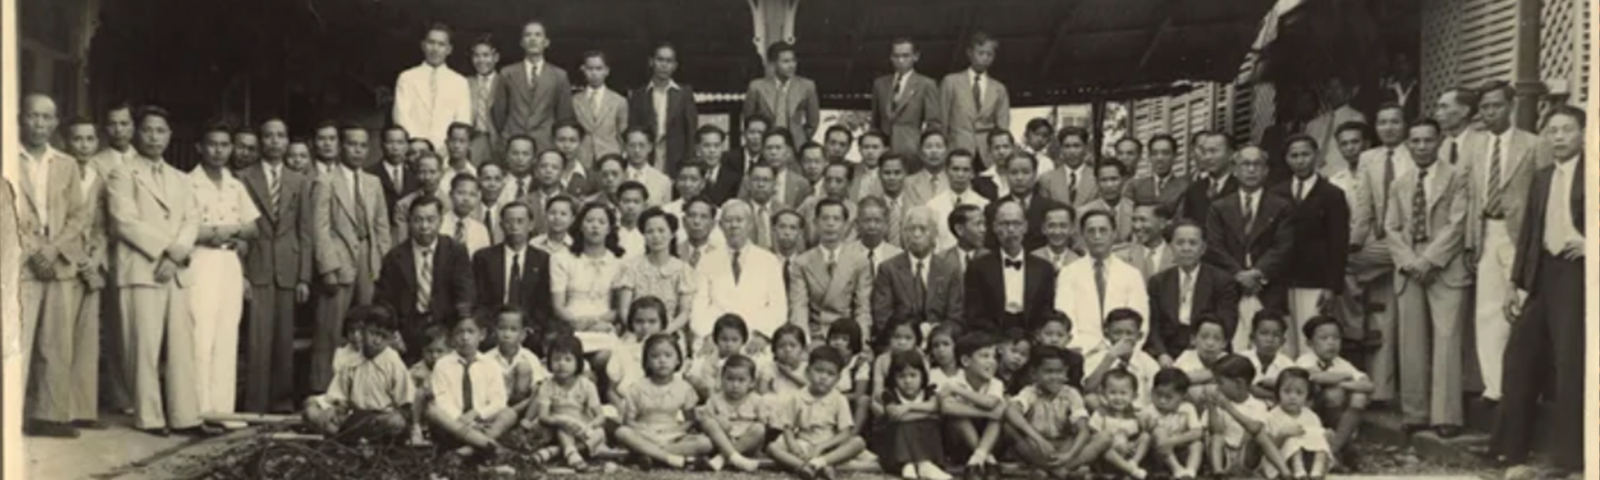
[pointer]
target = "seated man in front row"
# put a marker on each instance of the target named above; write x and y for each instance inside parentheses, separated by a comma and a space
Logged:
(371, 394)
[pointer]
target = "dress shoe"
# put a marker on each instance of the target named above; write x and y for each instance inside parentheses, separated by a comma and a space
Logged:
(1447, 431)
(1412, 428)
(50, 429)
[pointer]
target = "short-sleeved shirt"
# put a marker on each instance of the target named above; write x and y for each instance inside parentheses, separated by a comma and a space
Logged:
(1312, 364)
(346, 356)
(581, 397)
(857, 374)
(1125, 426)
(781, 384)
(522, 357)
(1268, 372)
(994, 388)
(1185, 419)
(648, 398)
(1313, 436)
(1052, 415)
(380, 383)
(1189, 361)
(939, 379)
(669, 282)
(222, 203)
(1141, 365)
(1233, 432)
(814, 418)
(750, 412)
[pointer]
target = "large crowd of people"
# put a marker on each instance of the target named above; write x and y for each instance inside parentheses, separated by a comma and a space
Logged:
(585, 268)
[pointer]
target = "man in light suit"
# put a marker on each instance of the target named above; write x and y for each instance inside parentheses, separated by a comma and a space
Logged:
(667, 109)
(932, 180)
(1162, 186)
(427, 279)
(117, 123)
(788, 99)
(1249, 235)
(917, 285)
(532, 96)
(1093, 286)
(1148, 249)
(278, 269)
(52, 217)
(1073, 182)
(1008, 288)
(1059, 222)
(1320, 250)
(602, 112)
(741, 279)
(830, 281)
(156, 220)
(1426, 235)
(1372, 264)
(1180, 295)
(971, 101)
(905, 103)
(485, 138)
(1491, 156)
(83, 142)
(350, 235)
(429, 97)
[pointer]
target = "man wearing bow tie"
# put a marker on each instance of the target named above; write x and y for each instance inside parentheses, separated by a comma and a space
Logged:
(904, 103)
(1008, 288)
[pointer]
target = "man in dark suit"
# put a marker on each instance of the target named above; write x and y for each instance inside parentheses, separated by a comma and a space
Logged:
(917, 285)
(278, 267)
(1548, 305)
(667, 109)
(514, 273)
(1181, 294)
(398, 178)
(724, 170)
(1162, 186)
(1216, 181)
(1321, 246)
(1020, 175)
(993, 299)
(905, 103)
(1248, 235)
(427, 279)
(533, 95)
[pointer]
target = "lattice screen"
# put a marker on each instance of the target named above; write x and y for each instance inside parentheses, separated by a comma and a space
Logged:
(1564, 46)
(1466, 42)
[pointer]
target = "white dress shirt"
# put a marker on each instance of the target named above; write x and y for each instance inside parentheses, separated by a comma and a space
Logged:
(1013, 278)
(631, 240)
(945, 202)
(1076, 295)
(533, 68)
(1186, 281)
(427, 99)
(1558, 229)
(476, 236)
(758, 295)
(489, 393)
(1302, 187)
(34, 172)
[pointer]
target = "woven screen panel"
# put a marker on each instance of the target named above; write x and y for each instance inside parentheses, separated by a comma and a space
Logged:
(1466, 42)
(1564, 46)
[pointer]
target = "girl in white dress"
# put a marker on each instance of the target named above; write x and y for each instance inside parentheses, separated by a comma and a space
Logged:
(1297, 430)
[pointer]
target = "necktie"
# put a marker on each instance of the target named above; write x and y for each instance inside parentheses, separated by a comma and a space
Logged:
(1185, 290)
(522, 187)
(977, 91)
(694, 256)
(1298, 185)
(1388, 179)
(488, 217)
(425, 281)
(466, 385)
(1494, 173)
(1160, 182)
(1249, 211)
(514, 286)
(1455, 150)
(899, 86)
(782, 118)
(737, 271)
(355, 191)
(1100, 284)
(832, 262)
(461, 231)
(872, 261)
(922, 286)
(1072, 187)
(273, 187)
(1419, 209)
(1155, 264)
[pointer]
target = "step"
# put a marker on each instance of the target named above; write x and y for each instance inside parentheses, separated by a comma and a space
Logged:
(1471, 445)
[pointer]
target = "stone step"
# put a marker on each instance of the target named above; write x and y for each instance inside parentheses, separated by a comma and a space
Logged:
(1471, 445)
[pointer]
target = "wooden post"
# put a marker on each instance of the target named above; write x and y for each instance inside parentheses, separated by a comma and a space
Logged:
(1529, 86)
(1097, 121)
(88, 23)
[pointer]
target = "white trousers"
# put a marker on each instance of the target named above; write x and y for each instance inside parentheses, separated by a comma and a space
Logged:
(1489, 323)
(217, 302)
(1302, 306)
(1248, 306)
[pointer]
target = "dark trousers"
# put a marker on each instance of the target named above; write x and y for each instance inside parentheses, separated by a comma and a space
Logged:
(269, 351)
(1546, 346)
(900, 443)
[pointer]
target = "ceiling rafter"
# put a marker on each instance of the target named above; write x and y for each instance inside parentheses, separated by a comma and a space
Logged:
(1159, 34)
(865, 19)
(1059, 37)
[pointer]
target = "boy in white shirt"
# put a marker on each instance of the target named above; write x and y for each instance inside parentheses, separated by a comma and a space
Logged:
(1210, 338)
(522, 370)
(1120, 349)
(1238, 421)
(1267, 330)
(460, 223)
(469, 396)
(1344, 389)
(975, 401)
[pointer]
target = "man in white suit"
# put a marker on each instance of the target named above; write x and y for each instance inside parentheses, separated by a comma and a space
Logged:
(1426, 236)
(602, 111)
(429, 97)
(972, 102)
(741, 279)
(1091, 287)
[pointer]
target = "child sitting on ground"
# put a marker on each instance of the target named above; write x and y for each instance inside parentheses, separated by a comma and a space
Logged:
(788, 369)
(735, 419)
(1210, 338)
(1123, 423)
(569, 405)
(1178, 436)
(469, 396)
(438, 337)
(522, 370)
(647, 316)
(729, 335)
(1056, 330)
(908, 434)
(1120, 350)
(901, 336)
(1267, 336)
(1296, 430)
(855, 381)
(1344, 389)
(818, 430)
(943, 366)
(975, 401)
(370, 397)
(656, 410)
(1238, 440)
(1048, 422)
(1013, 353)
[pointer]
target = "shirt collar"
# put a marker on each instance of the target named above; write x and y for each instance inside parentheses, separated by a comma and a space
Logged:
(536, 66)
(418, 247)
(49, 152)
(671, 85)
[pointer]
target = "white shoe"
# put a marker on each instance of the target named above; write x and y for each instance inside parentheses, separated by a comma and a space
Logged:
(931, 471)
(716, 463)
(909, 472)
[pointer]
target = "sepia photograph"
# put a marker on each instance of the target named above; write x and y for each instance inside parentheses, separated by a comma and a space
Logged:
(813, 239)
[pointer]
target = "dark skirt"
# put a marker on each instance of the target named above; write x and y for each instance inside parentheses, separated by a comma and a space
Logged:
(899, 443)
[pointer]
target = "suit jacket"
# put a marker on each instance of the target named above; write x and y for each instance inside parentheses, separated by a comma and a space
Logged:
(451, 294)
(1066, 258)
(683, 118)
(1076, 296)
(1057, 184)
(1476, 155)
(1138, 255)
(532, 108)
(490, 281)
(1447, 215)
(96, 236)
(800, 111)
(819, 297)
(985, 300)
(904, 118)
(1143, 190)
(604, 124)
(728, 178)
(152, 212)
(896, 294)
(1515, 195)
(1034, 214)
(1321, 246)
(1267, 244)
(795, 190)
(965, 121)
(280, 255)
(67, 216)
(1197, 198)
(1530, 242)
(347, 226)
(987, 187)
(393, 188)
(1215, 293)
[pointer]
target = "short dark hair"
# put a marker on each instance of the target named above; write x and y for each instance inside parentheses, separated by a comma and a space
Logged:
(1072, 131)
(532, 144)
(1267, 315)
(1072, 214)
(1469, 97)
(700, 133)
(730, 321)
(1426, 122)
(788, 138)
(576, 127)
(850, 330)
(594, 54)
(459, 178)
(875, 134)
(604, 159)
(758, 118)
(849, 170)
(117, 106)
(980, 38)
(424, 201)
(1356, 126)
(1209, 319)
(148, 111)
(974, 341)
(1162, 137)
(700, 199)
(1234, 366)
(438, 27)
(1172, 377)
(1299, 137)
(1569, 111)
(1123, 315)
(997, 133)
(778, 48)
(930, 133)
(903, 40)
(567, 344)
(838, 128)
(649, 135)
(1038, 123)
(1137, 146)
(375, 316)
(961, 215)
(633, 185)
(1122, 169)
(1501, 86)
(739, 362)
(825, 355)
(809, 146)
(1316, 322)
(1172, 229)
(458, 126)
(1083, 220)
(829, 202)
(1390, 106)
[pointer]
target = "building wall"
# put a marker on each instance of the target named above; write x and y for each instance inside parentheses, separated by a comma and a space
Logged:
(1469, 42)
(1208, 107)
(1564, 41)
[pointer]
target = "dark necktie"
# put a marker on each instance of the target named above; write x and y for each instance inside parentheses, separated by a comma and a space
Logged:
(1072, 187)
(737, 271)
(1100, 284)
(1455, 151)
(461, 231)
(922, 288)
(977, 92)
(514, 286)
(488, 218)
(1388, 179)
(425, 283)
(1249, 211)
(466, 385)
(1419, 209)
(1494, 177)
(274, 187)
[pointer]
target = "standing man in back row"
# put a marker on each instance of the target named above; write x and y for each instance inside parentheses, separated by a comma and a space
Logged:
(667, 109)
(788, 99)
(905, 103)
(532, 96)
(430, 97)
(972, 102)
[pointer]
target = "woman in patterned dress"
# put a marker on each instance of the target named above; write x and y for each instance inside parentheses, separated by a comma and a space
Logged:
(657, 273)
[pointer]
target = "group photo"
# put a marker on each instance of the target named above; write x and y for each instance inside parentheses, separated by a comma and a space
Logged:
(819, 239)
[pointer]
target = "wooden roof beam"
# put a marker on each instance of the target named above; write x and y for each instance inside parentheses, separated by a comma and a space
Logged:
(1058, 39)
(1155, 39)
(967, 13)
(864, 21)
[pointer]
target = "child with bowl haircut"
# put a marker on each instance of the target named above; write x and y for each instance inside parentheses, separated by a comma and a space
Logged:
(818, 430)
(370, 397)
(1344, 390)
(735, 418)
(1047, 422)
